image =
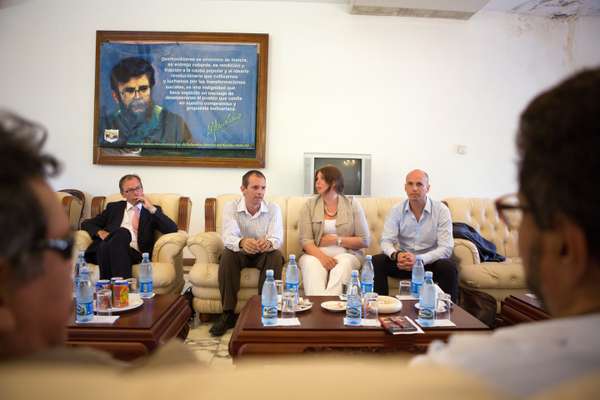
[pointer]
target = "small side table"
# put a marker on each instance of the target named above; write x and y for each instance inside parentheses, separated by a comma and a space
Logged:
(521, 308)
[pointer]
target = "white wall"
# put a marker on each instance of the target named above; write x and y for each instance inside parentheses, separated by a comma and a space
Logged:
(408, 91)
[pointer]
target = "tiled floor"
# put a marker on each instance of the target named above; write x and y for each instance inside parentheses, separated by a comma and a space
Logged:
(209, 350)
(212, 351)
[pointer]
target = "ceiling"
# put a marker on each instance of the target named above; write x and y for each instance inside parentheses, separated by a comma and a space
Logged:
(464, 8)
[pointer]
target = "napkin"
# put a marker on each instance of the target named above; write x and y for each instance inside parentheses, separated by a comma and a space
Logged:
(439, 323)
(287, 322)
(364, 322)
(100, 319)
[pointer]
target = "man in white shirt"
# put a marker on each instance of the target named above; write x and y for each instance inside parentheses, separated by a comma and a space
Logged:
(252, 235)
(418, 228)
(557, 213)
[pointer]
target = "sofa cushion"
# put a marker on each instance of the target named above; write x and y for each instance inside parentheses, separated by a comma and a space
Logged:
(482, 216)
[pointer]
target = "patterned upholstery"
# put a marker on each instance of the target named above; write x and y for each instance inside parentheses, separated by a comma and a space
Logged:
(166, 257)
(207, 247)
(497, 279)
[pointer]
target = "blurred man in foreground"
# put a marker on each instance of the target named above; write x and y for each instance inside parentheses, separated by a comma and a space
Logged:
(558, 215)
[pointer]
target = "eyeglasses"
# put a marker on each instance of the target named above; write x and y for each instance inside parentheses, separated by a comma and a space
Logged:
(130, 92)
(511, 210)
(135, 189)
(64, 247)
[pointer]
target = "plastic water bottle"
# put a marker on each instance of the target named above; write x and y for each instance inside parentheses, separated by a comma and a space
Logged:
(80, 263)
(366, 276)
(354, 280)
(145, 275)
(84, 296)
(418, 275)
(354, 303)
(269, 300)
(292, 278)
(427, 301)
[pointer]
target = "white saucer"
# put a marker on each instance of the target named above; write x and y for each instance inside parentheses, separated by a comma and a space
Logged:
(334, 305)
(440, 309)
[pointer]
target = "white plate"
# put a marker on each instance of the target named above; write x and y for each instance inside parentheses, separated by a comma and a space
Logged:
(334, 305)
(388, 305)
(441, 307)
(134, 302)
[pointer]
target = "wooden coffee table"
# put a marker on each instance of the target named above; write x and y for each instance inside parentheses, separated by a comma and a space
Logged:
(521, 308)
(321, 330)
(137, 332)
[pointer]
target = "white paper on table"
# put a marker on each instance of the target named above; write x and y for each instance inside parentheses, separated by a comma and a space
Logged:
(100, 319)
(364, 322)
(369, 322)
(287, 322)
(439, 323)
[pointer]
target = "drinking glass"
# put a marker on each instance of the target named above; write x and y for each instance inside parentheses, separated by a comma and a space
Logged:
(404, 288)
(279, 286)
(445, 301)
(370, 306)
(104, 301)
(288, 305)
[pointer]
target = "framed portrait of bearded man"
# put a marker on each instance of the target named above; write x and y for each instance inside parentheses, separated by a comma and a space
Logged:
(180, 99)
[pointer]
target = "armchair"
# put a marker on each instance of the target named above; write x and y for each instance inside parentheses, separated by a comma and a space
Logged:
(73, 202)
(167, 259)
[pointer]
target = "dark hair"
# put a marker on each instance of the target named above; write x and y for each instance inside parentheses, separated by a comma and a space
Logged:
(22, 220)
(558, 144)
(332, 176)
(126, 178)
(248, 174)
(128, 68)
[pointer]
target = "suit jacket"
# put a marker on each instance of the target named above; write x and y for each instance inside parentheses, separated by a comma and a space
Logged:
(486, 249)
(110, 220)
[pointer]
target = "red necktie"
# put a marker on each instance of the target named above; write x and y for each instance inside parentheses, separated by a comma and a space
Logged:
(135, 219)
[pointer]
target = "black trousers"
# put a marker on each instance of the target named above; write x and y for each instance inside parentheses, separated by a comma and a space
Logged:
(445, 274)
(114, 255)
(231, 265)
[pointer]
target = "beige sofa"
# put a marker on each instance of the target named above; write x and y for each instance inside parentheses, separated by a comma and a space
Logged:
(167, 262)
(498, 279)
(207, 246)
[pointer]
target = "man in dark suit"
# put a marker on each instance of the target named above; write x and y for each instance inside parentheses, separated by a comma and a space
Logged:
(125, 230)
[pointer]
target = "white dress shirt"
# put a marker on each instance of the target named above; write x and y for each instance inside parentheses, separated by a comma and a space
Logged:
(126, 223)
(430, 238)
(238, 223)
(526, 358)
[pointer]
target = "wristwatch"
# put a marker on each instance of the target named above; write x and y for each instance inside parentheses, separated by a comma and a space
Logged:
(339, 241)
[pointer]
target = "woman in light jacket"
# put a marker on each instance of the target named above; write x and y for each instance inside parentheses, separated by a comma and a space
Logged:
(333, 232)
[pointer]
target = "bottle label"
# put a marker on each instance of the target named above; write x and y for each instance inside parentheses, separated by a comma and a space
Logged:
(269, 312)
(291, 287)
(426, 313)
(415, 288)
(84, 309)
(366, 287)
(146, 287)
(353, 309)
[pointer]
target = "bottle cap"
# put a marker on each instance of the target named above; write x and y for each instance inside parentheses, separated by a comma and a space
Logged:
(270, 272)
(369, 257)
(354, 272)
(428, 274)
(292, 256)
